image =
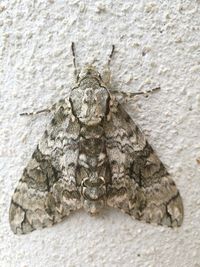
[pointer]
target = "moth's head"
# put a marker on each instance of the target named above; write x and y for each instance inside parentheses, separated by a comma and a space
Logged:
(89, 72)
(90, 98)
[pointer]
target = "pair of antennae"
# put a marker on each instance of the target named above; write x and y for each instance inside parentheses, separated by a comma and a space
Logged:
(74, 58)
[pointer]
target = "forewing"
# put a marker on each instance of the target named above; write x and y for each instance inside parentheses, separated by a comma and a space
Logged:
(47, 193)
(140, 185)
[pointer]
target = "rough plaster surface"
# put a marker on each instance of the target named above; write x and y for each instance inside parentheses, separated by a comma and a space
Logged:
(157, 42)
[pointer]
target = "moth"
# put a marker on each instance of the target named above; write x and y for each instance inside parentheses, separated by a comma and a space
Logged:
(93, 155)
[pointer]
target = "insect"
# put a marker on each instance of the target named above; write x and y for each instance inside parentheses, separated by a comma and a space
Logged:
(93, 155)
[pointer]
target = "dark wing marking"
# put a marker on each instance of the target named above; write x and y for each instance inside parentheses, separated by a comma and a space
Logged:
(141, 186)
(47, 193)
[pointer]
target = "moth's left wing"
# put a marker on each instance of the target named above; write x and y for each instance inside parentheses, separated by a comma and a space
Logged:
(140, 184)
(46, 193)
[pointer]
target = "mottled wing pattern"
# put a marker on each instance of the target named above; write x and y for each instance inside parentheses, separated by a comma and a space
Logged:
(46, 193)
(140, 186)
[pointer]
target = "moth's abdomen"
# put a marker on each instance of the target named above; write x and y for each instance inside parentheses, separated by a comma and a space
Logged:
(94, 193)
(92, 168)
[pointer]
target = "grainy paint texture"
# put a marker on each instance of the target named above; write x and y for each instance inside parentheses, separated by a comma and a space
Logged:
(157, 41)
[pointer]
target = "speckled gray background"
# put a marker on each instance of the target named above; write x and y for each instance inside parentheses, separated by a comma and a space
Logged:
(157, 42)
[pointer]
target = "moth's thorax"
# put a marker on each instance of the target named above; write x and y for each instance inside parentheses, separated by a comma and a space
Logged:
(90, 99)
(92, 168)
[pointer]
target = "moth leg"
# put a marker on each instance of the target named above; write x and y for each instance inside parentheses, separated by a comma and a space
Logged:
(45, 110)
(127, 96)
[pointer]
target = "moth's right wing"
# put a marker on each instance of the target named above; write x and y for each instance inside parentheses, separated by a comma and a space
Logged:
(46, 193)
(140, 186)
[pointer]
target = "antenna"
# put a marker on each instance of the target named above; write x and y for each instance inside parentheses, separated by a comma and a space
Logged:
(111, 55)
(74, 60)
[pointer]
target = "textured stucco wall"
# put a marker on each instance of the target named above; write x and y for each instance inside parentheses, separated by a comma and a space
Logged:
(157, 42)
